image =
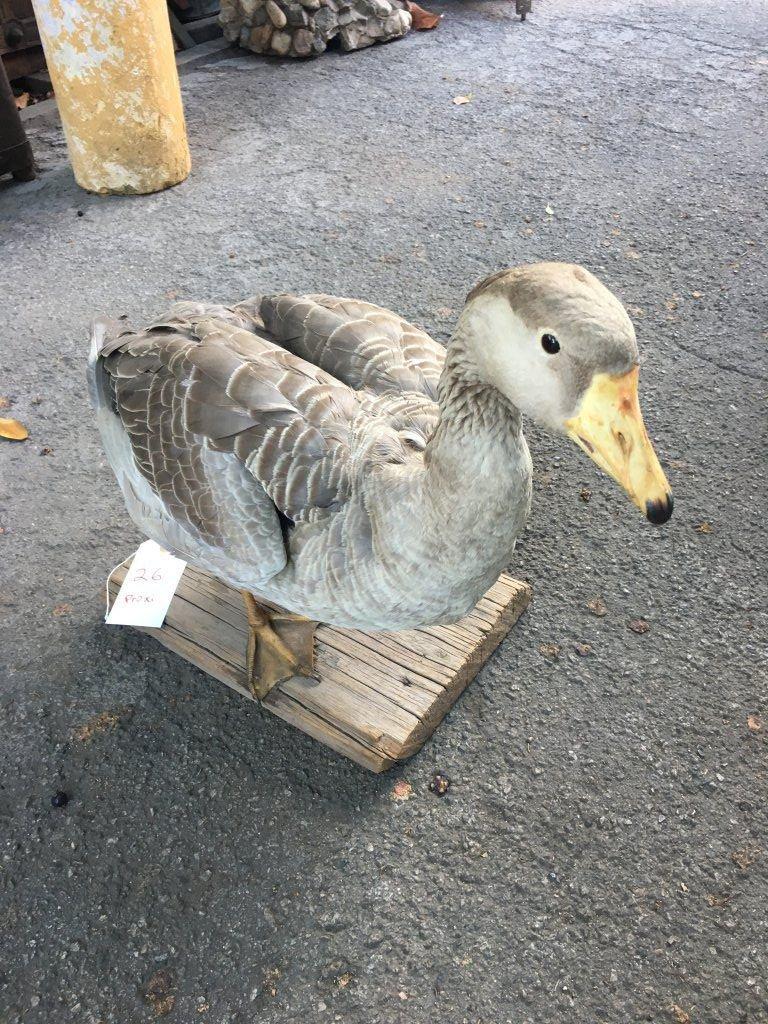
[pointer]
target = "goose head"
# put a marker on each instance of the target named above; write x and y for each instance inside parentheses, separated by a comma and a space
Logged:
(561, 347)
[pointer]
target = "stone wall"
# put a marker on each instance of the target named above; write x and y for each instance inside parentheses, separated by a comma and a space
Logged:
(301, 28)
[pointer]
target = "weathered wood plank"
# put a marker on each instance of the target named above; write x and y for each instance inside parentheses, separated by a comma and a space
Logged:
(379, 695)
(293, 712)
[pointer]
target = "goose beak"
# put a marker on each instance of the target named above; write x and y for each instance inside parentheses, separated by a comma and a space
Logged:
(609, 428)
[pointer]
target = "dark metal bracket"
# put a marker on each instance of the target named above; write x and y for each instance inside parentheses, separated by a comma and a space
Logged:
(523, 7)
(15, 151)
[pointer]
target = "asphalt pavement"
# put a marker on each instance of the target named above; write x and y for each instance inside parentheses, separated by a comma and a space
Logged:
(601, 855)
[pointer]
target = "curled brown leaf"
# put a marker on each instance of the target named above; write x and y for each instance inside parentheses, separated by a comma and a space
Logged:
(598, 607)
(421, 20)
(551, 651)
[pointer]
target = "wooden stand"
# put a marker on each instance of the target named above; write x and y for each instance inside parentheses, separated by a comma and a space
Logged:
(379, 696)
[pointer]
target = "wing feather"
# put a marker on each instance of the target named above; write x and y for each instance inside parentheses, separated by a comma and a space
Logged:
(365, 346)
(244, 421)
(183, 391)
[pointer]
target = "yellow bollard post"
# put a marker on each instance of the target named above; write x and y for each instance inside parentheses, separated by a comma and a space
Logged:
(114, 74)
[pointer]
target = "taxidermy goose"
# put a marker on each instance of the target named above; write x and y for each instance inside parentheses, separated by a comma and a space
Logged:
(330, 458)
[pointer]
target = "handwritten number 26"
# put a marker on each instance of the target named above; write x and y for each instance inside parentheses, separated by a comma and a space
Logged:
(141, 574)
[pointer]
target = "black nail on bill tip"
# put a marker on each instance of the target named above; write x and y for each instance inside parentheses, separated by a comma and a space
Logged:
(659, 512)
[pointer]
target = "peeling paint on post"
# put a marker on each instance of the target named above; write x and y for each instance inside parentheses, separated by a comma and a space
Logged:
(114, 74)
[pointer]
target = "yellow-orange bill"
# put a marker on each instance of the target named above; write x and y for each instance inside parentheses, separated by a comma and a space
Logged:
(609, 428)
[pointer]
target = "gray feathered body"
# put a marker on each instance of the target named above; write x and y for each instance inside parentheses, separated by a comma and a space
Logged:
(319, 452)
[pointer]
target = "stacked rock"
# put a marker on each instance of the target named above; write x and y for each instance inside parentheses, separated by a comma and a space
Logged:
(301, 28)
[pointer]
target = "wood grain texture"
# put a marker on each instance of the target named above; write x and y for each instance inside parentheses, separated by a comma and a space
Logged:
(379, 696)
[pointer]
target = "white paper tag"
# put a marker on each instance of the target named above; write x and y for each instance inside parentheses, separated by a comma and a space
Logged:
(148, 589)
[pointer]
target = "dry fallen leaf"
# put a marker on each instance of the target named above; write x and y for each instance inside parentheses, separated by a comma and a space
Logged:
(551, 651)
(679, 1014)
(461, 100)
(13, 430)
(746, 856)
(62, 609)
(598, 607)
(158, 993)
(583, 650)
(632, 255)
(402, 791)
(715, 899)
(422, 20)
(103, 722)
(343, 980)
(703, 528)
(639, 626)
(697, 295)
(754, 723)
(585, 494)
(480, 224)
(270, 977)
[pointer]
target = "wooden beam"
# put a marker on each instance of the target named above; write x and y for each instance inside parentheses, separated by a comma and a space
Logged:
(378, 696)
(180, 33)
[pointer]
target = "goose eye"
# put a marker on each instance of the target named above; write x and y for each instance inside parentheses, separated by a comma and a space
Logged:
(550, 344)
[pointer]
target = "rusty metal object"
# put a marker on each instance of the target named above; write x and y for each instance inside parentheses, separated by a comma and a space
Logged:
(19, 39)
(25, 61)
(523, 7)
(180, 31)
(15, 151)
(18, 28)
(13, 33)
